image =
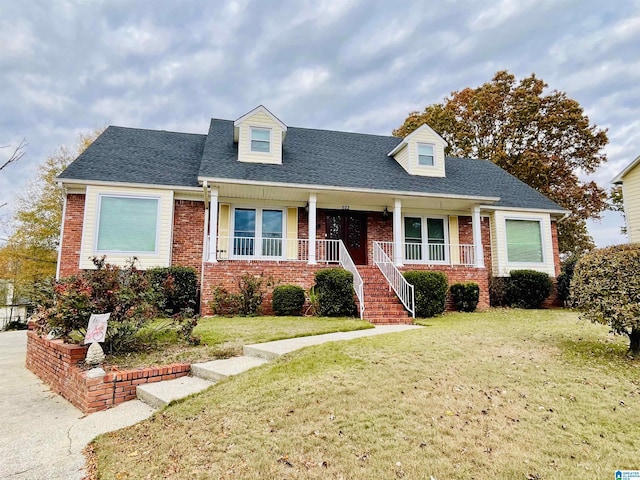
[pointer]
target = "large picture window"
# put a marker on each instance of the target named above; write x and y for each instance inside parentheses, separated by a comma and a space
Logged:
(264, 225)
(524, 241)
(127, 224)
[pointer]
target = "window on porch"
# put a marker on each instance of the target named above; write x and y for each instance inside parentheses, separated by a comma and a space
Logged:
(419, 229)
(265, 225)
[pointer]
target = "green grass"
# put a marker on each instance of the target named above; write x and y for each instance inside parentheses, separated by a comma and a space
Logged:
(502, 394)
(224, 337)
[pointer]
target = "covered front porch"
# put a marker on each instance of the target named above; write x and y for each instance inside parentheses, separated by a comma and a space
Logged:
(301, 226)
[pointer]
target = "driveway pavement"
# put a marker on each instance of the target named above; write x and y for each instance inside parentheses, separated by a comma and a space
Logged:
(41, 434)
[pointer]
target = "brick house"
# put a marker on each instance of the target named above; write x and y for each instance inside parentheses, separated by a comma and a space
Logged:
(254, 195)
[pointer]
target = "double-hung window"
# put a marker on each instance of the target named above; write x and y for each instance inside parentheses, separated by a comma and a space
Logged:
(127, 224)
(524, 241)
(426, 157)
(258, 232)
(260, 140)
(419, 229)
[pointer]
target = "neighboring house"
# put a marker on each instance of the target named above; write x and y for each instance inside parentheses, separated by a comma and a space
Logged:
(12, 308)
(254, 195)
(629, 178)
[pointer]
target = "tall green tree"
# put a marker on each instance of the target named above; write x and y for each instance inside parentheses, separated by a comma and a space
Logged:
(30, 254)
(542, 137)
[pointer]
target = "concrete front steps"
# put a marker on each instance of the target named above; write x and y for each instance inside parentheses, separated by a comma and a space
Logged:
(382, 306)
(206, 374)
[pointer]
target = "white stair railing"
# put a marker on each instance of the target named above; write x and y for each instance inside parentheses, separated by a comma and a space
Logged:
(346, 262)
(404, 290)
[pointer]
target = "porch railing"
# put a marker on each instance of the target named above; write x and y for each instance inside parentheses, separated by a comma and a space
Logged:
(346, 262)
(433, 253)
(404, 290)
(269, 248)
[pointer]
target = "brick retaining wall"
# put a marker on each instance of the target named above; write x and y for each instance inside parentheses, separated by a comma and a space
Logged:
(57, 365)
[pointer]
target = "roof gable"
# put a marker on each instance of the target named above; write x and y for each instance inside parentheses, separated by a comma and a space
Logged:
(618, 178)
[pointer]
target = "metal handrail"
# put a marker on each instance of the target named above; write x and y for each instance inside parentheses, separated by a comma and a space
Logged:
(346, 262)
(404, 290)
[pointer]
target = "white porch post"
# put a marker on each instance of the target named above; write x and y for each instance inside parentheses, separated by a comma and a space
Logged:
(312, 228)
(476, 225)
(213, 226)
(397, 232)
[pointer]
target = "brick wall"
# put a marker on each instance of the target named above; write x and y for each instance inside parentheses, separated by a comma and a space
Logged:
(227, 273)
(188, 232)
(72, 236)
(56, 363)
(378, 230)
(460, 274)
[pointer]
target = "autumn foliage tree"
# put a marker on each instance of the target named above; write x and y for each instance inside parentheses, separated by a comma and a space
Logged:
(543, 138)
(30, 254)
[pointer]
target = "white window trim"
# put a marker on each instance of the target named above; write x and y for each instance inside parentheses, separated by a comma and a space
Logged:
(127, 252)
(258, 233)
(525, 265)
(267, 129)
(435, 161)
(425, 240)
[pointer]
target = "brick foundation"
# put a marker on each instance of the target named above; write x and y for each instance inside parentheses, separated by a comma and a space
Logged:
(57, 365)
(227, 273)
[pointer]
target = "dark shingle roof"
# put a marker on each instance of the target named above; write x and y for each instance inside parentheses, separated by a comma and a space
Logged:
(353, 160)
(310, 157)
(131, 155)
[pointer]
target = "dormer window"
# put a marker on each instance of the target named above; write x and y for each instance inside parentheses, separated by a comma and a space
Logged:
(426, 156)
(260, 140)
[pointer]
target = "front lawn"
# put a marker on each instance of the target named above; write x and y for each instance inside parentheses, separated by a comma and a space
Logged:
(503, 394)
(224, 337)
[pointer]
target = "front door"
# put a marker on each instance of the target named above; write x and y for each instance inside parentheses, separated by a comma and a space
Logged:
(351, 228)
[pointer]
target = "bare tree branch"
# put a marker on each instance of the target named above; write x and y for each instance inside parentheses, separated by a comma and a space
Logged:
(17, 154)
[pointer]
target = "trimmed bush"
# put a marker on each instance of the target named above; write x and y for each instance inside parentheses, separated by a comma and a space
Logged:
(176, 288)
(563, 286)
(125, 292)
(430, 292)
(528, 288)
(465, 296)
(606, 288)
(334, 287)
(498, 288)
(288, 299)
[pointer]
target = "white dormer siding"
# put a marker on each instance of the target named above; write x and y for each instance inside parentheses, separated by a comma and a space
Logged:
(259, 134)
(422, 142)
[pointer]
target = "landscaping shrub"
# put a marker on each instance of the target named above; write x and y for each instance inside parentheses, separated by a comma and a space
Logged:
(288, 299)
(465, 296)
(606, 288)
(498, 288)
(430, 292)
(247, 301)
(176, 288)
(563, 284)
(125, 292)
(528, 288)
(334, 288)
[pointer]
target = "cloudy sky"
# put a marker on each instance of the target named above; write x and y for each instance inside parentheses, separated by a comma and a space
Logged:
(73, 66)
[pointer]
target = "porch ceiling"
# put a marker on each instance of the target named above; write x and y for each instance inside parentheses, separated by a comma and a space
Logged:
(354, 200)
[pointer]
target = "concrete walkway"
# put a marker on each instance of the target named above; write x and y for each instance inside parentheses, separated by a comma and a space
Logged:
(42, 435)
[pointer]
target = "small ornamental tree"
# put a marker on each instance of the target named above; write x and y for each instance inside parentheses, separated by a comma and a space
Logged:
(606, 289)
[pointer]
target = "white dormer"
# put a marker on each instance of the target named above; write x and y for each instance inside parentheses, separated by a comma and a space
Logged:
(421, 152)
(259, 135)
